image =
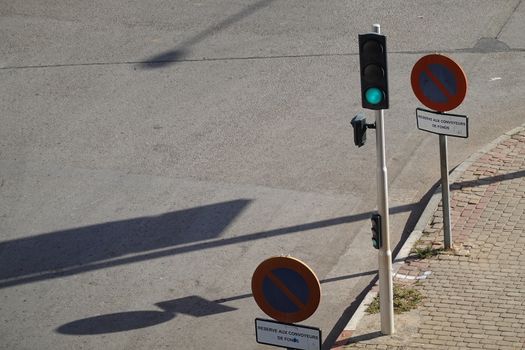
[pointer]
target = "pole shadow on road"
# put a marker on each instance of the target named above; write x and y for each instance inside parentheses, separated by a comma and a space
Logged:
(192, 305)
(199, 307)
(78, 250)
(487, 180)
(173, 56)
(94, 247)
(130, 320)
(73, 251)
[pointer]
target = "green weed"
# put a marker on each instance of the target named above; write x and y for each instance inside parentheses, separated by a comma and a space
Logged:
(405, 299)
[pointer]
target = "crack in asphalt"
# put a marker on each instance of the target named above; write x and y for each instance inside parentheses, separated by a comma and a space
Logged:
(508, 19)
(475, 50)
(178, 55)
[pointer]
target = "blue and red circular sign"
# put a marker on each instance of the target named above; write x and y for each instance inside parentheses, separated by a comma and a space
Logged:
(439, 82)
(286, 289)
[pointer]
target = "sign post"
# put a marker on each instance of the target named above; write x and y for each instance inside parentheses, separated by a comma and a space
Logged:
(445, 191)
(440, 84)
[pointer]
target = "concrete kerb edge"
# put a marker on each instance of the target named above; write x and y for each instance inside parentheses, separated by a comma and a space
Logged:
(422, 222)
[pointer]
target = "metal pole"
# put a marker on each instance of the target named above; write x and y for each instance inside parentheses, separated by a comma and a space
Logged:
(385, 254)
(386, 300)
(443, 156)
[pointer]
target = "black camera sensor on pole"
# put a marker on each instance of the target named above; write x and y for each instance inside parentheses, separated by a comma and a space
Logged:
(374, 77)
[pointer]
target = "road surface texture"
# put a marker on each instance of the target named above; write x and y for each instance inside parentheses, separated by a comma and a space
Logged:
(152, 154)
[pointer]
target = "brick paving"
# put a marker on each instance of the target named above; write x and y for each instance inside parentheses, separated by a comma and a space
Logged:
(475, 293)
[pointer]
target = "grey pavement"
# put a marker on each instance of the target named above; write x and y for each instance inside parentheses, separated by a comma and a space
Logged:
(474, 294)
(152, 154)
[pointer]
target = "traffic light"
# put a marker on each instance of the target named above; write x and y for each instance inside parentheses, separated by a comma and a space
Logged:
(376, 231)
(359, 124)
(374, 77)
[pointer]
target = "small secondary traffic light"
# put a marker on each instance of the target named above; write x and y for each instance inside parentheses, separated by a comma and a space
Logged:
(376, 231)
(374, 77)
(359, 124)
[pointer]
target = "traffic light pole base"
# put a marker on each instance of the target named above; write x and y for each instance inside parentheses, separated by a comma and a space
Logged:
(386, 294)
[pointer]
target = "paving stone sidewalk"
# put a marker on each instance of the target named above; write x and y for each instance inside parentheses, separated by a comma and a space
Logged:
(474, 295)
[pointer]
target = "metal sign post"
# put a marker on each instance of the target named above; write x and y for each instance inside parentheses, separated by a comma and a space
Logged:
(386, 301)
(443, 157)
(444, 125)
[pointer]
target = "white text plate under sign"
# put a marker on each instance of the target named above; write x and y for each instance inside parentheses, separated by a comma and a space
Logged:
(441, 123)
(287, 335)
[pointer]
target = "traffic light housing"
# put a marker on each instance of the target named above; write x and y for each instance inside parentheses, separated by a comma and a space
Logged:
(374, 74)
(376, 231)
(359, 124)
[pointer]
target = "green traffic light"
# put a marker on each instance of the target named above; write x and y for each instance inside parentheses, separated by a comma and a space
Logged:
(374, 96)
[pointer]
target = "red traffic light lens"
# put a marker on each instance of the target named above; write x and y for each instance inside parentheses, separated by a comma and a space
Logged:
(372, 48)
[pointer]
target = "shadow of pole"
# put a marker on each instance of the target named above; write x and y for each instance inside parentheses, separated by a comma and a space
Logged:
(364, 337)
(487, 180)
(341, 323)
(183, 49)
(117, 322)
(192, 305)
(324, 281)
(130, 320)
(74, 251)
(200, 307)
(70, 252)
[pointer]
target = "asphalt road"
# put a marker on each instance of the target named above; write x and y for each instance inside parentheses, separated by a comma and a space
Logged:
(152, 154)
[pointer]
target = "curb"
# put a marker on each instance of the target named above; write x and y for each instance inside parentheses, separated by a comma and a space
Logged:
(416, 233)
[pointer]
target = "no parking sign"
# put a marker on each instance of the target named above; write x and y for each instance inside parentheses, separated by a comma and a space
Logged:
(439, 82)
(286, 289)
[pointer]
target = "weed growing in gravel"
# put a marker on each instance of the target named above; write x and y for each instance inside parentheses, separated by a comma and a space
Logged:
(405, 299)
(427, 252)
